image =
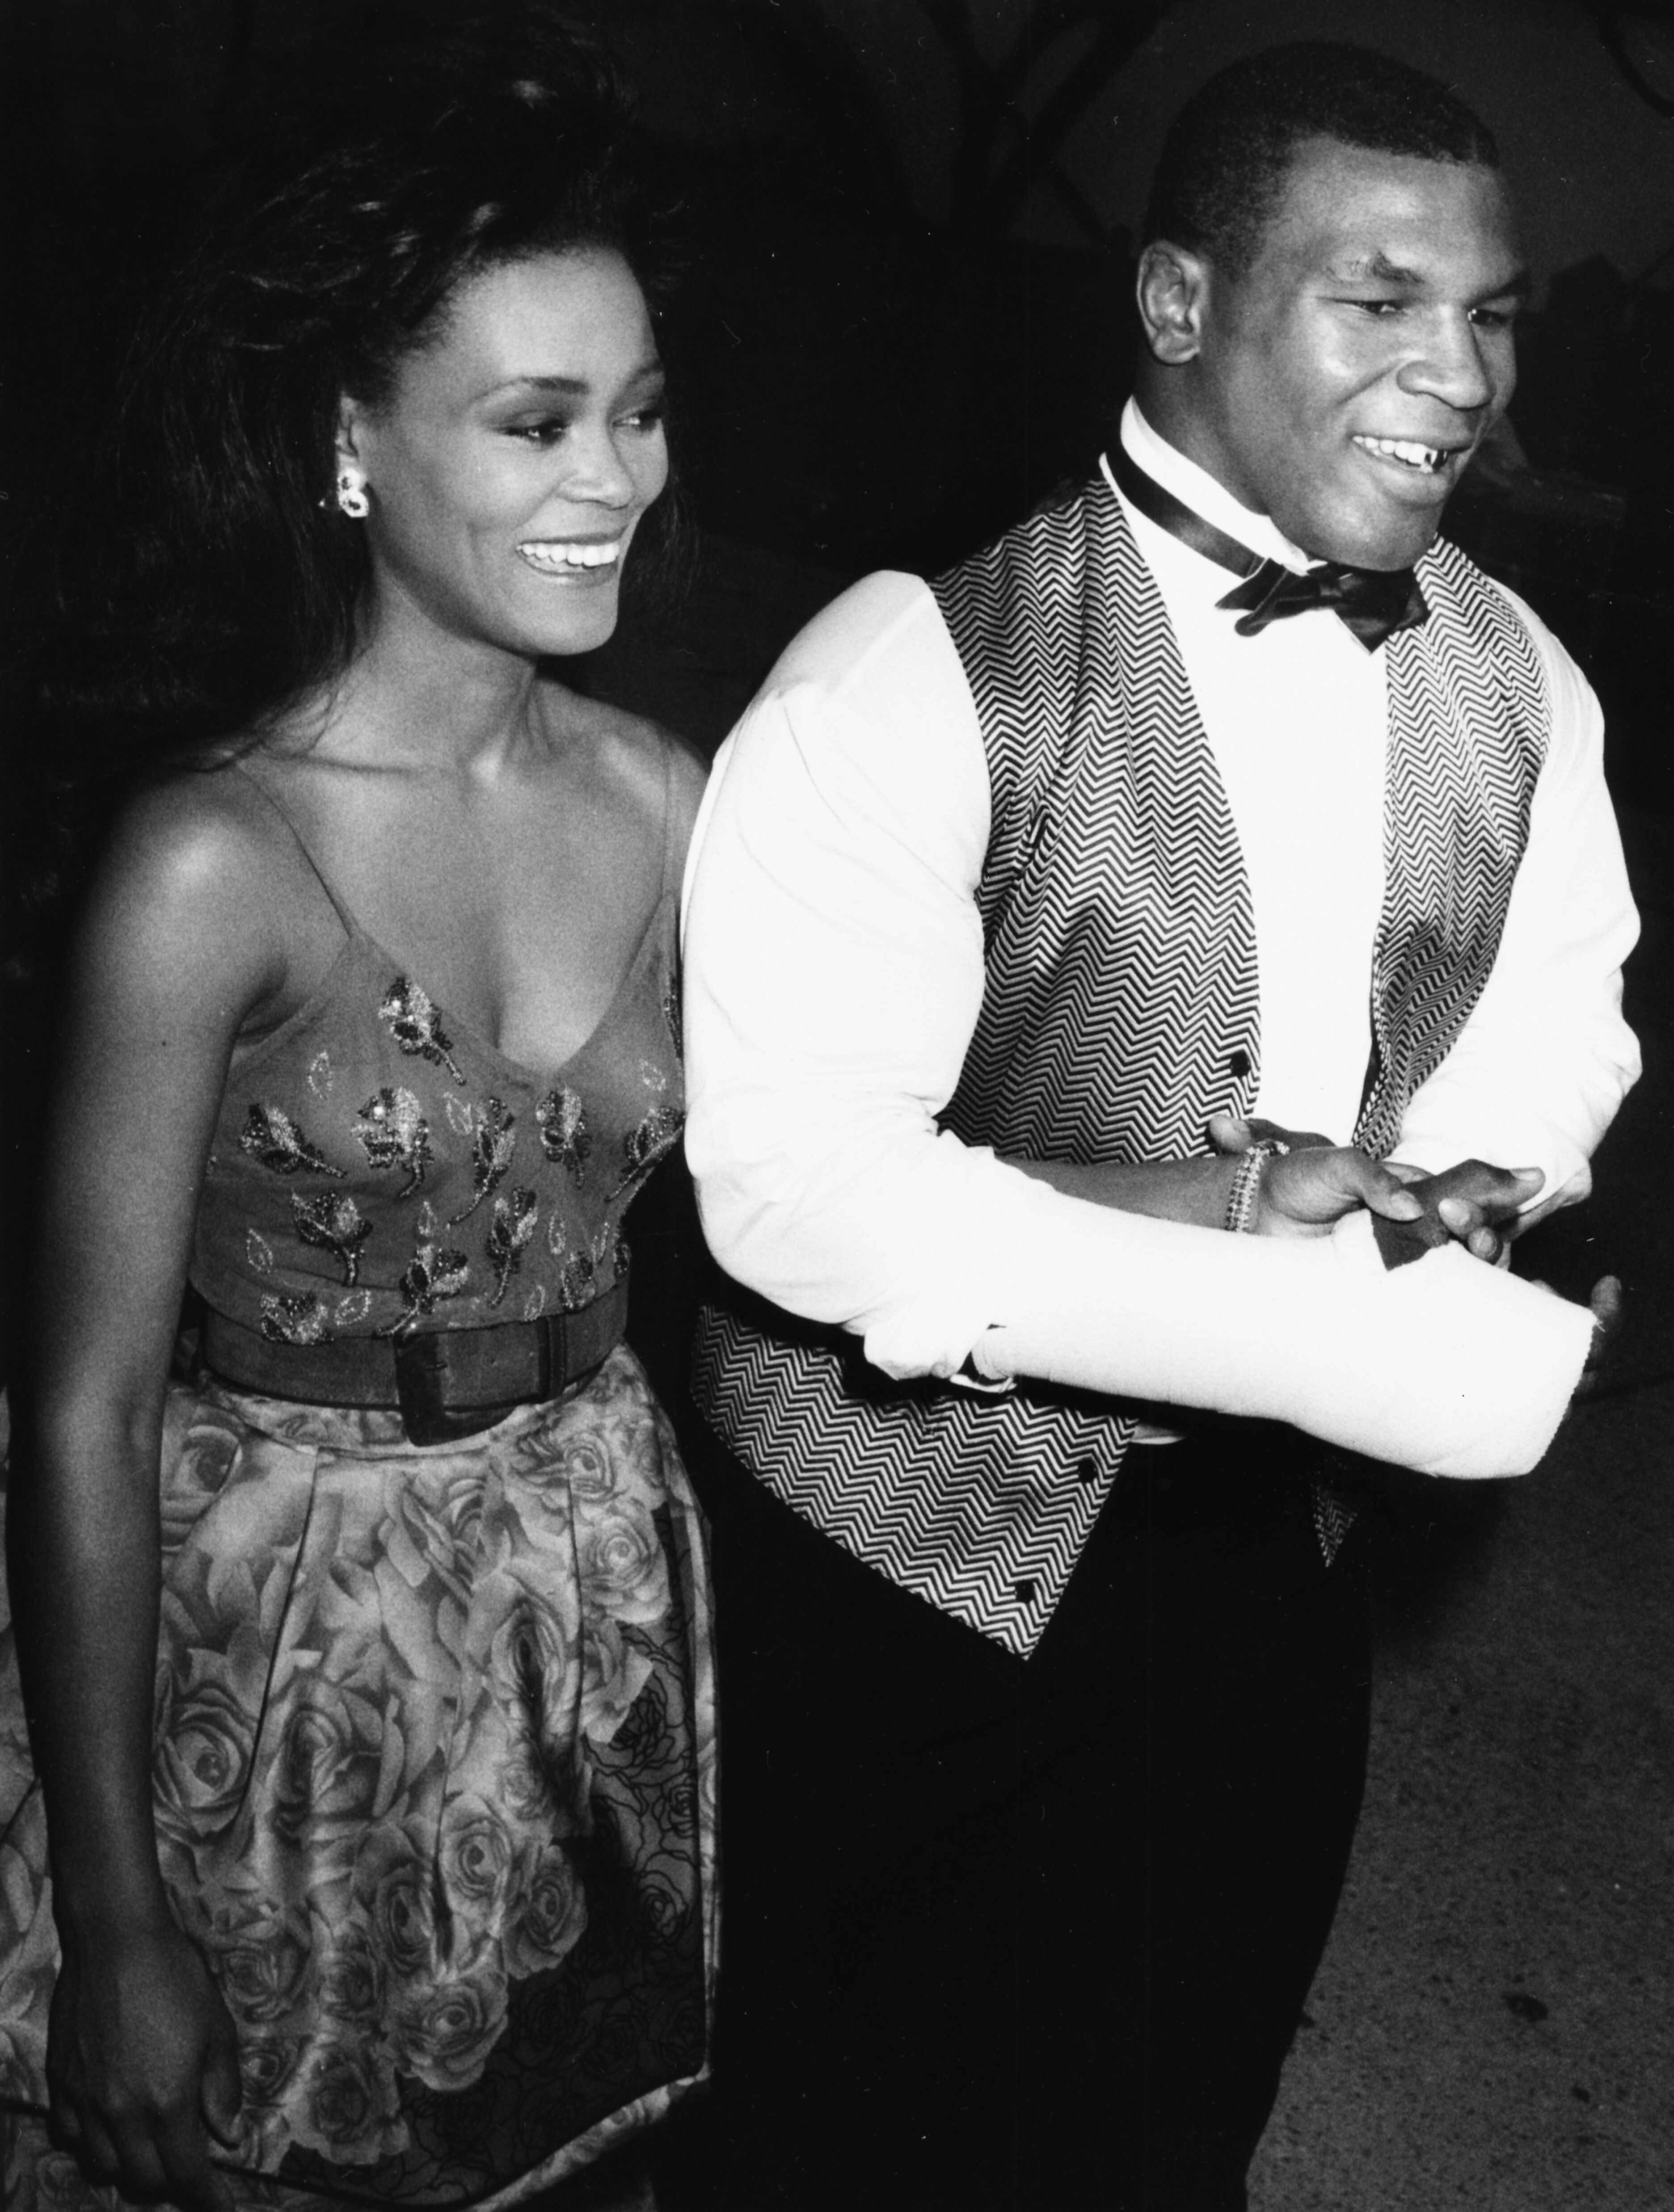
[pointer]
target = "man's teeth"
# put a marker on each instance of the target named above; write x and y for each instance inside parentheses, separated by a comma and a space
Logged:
(1427, 457)
(555, 553)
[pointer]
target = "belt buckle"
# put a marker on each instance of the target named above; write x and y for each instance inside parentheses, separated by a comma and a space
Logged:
(420, 1365)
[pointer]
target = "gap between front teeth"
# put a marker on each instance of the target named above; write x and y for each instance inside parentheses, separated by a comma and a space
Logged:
(1403, 449)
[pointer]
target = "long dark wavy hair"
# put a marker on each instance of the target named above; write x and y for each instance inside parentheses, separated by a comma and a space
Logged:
(203, 580)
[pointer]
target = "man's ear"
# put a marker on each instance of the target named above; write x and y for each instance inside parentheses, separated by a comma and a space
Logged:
(1174, 301)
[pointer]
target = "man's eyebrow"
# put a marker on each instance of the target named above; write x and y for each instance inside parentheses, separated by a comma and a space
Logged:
(1379, 269)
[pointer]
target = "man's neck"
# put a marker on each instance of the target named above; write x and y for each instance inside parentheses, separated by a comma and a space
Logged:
(1189, 481)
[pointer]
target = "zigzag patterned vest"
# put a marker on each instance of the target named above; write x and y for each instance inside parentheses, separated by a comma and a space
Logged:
(1121, 1012)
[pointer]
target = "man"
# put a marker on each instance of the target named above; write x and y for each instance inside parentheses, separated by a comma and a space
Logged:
(1079, 888)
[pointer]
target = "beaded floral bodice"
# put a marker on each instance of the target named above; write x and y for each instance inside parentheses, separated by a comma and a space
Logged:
(377, 1168)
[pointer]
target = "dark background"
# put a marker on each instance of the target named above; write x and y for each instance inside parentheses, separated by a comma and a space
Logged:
(915, 220)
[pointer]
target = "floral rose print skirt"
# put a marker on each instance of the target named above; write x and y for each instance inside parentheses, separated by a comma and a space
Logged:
(435, 1794)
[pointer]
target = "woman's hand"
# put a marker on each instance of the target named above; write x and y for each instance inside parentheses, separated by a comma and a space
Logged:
(142, 2066)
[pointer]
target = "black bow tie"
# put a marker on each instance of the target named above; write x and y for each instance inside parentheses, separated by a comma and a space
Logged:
(1375, 603)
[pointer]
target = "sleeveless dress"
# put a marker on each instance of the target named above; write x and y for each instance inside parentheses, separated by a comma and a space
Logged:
(433, 1747)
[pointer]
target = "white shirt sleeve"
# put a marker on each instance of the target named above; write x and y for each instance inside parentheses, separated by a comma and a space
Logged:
(1545, 1059)
(833, 975)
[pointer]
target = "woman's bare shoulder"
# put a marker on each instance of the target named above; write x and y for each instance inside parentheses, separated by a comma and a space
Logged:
(201, 820)
(200, 860)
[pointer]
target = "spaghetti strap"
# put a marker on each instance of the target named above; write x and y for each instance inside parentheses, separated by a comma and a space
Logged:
(673, 863)
(339, 907)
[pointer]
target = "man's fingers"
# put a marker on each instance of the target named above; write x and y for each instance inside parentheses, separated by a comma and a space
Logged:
(1303, 1193)
(1472, 1193)
(1383, 1194)
(1606, 1304)
(1234, 1133)
(1464, 1216)
(1228, 1133)
(1349, 1175)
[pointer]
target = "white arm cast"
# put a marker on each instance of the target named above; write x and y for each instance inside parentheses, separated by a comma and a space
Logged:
(833, 975)
(1444, 1365)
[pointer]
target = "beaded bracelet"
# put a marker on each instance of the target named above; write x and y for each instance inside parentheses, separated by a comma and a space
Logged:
(1246, 1184)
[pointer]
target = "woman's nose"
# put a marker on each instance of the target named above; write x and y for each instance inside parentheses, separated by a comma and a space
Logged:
(597, 472)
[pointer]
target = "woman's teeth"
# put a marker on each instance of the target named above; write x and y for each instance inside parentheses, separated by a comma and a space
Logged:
(1429, 459)
(557, 554)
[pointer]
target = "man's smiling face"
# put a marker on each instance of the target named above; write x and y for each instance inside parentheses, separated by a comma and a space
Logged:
(1341, 382)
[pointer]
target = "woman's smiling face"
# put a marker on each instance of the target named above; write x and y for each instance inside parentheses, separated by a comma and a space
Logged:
(513, 460)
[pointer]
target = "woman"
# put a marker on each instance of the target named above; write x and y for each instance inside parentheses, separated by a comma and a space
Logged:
(371, 1036)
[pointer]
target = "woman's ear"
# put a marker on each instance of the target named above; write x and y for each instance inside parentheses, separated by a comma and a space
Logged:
(352, 416)
(351, 483)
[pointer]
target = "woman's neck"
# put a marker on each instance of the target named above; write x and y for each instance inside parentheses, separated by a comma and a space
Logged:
(418, 697)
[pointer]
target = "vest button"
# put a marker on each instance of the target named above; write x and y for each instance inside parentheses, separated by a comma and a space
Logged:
(1239, 1064)
(1024, 1592)
(1086, 1470)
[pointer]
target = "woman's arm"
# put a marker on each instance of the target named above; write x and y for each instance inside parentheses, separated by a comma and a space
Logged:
(180, 942)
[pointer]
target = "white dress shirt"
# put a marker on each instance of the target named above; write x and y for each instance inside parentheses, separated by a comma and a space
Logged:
(834, 955)
(1297, 718)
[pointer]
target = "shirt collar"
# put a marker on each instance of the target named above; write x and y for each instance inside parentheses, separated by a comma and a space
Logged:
(1199, 490)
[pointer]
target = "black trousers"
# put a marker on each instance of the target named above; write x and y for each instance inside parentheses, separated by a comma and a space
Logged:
(1007, 1934)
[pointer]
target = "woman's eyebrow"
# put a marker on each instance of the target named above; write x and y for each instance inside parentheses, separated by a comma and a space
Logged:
(577, 386)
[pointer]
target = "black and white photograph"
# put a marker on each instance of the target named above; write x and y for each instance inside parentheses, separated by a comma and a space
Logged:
(837, 950)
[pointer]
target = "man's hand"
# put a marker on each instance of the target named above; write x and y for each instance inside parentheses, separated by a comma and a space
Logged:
(1606, 1304)
(1479, 1205)
(1310, 1185)
(1228, 1132)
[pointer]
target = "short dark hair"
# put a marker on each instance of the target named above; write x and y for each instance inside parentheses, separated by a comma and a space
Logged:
(1224, 159)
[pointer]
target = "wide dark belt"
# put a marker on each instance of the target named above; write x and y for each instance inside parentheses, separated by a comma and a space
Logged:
(446, 1383)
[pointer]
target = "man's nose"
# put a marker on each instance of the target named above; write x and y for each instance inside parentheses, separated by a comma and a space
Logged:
(1452, 366)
